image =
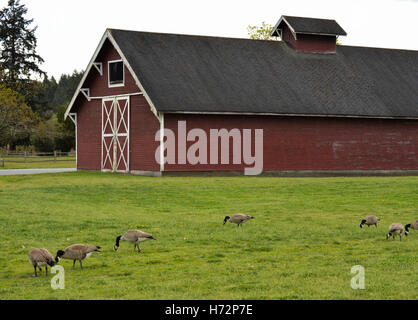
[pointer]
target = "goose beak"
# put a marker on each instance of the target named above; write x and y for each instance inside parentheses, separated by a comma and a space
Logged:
(115, 247)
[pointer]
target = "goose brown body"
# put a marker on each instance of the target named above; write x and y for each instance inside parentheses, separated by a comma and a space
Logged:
(238, 218)
(41, 257)
(369, 220)
(76, 252)
(395, 228)
(413, 225)
(134, 236)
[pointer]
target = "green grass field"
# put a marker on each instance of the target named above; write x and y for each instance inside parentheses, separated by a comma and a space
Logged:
(301, 245)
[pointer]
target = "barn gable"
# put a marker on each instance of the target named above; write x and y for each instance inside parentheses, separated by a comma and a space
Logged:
(115, 123)
(97, 73)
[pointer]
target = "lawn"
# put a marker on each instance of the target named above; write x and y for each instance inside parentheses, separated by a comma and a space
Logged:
(301, 245)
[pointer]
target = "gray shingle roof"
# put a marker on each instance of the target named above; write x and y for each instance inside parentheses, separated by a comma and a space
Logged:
(314, 26)
(211, 74)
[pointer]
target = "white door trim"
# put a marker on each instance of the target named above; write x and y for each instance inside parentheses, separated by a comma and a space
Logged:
(118, 128)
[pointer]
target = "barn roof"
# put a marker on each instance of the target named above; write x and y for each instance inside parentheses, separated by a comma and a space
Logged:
(212, 74)
(198, 74)
(310, 26)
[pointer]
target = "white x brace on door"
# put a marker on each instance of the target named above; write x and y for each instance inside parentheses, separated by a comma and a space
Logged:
(115, 134)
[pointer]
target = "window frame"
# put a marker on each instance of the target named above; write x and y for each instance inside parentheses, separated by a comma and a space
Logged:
(113, 85)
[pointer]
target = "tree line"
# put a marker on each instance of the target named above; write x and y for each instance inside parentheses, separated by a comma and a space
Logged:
(32, 105)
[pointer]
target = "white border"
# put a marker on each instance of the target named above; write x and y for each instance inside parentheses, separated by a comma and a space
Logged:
(99, 67)
(161, 115)
(108, 74)
(291, 115)
(73, 117)
(114, 125)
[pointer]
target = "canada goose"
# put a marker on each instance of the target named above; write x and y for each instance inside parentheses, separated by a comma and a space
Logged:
(238, 218)
(134, 236)
(76, 252)
(413, 225)
(369, 220)
(41, 257)
(395, 228)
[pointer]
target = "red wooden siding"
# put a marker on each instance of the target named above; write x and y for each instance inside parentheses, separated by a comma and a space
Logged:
(89, 139)
(315, 143)
(143, 125)
(310, 42)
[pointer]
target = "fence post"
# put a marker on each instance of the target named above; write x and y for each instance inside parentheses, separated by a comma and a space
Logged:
(55, 156)
(25, 157)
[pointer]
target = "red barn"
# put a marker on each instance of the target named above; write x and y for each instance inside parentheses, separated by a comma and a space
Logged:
(318, 108)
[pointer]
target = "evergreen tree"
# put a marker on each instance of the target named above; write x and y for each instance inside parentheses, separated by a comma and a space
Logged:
(66, 87)
(18, 57)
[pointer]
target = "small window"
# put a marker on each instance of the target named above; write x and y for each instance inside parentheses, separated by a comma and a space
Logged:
(116, 73)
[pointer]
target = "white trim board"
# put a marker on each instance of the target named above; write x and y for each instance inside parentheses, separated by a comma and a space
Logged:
(73, 117)
(161, 141)
(115, 85)
(117, 95)
(289, 115)
(99, 67)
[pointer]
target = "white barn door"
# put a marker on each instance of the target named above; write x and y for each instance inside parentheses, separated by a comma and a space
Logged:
(115, 134)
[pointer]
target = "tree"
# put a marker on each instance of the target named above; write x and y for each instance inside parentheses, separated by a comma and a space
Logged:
(16, 118)
(18, 58)
(65, 140)
(66, 87)
(44, 135)
(261, 32)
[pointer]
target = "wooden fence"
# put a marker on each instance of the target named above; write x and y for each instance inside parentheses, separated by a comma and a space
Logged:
(33, 157)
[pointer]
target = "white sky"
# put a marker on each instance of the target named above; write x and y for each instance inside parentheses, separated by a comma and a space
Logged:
(69, 31)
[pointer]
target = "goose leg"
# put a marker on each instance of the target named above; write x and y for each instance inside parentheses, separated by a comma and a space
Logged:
(46, 270)
(81, 265)
(35, 271)
(73, 264)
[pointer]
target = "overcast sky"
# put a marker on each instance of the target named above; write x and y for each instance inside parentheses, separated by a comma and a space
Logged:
(69, 31)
